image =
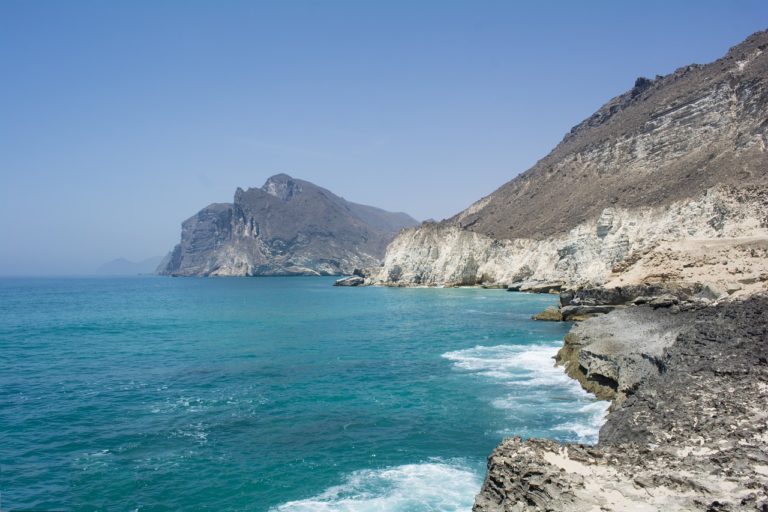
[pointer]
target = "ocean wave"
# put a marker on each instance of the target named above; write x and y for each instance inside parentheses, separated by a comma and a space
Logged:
(531, 380)
(587, 431)
(434, 485)
(522, 365)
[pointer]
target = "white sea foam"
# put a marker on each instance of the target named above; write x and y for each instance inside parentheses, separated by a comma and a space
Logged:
(532, 367)
(521, 365)
(587, 431)
(434, 485)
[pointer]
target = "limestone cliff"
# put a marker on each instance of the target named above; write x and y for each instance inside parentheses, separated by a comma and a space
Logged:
(287, 227)
(614, 246)
(679, 157)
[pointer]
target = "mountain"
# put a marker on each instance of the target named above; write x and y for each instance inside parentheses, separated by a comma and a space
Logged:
(680, 157)
(286, 227)
(122, 266)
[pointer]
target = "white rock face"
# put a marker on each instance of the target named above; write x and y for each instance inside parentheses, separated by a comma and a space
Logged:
(435, 255)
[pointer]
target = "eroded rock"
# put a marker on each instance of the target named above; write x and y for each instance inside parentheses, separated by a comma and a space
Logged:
(349, 281)
(691, 432)
(550, 314)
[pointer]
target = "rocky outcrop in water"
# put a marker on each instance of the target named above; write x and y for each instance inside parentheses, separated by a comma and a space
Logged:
(286, 227)
(679, 158)
(689, 432)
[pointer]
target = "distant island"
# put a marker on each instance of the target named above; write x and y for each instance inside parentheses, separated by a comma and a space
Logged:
(124, 267)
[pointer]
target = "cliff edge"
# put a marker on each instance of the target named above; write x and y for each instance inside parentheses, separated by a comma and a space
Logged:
(688, 428)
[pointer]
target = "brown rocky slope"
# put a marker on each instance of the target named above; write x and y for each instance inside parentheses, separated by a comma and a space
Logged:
(679, 157)
(666, 139)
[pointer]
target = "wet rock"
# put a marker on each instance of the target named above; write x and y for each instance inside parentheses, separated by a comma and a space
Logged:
(350, 281)
(551, 314)
(579, 312)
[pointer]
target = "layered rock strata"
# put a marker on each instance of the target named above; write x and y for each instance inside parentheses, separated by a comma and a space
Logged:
(286, 227)
(691, 432)
(719, 239)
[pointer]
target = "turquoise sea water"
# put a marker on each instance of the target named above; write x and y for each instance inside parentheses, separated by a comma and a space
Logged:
(288, 394)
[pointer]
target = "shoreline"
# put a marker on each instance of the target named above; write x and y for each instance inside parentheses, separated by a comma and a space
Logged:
(686, 379)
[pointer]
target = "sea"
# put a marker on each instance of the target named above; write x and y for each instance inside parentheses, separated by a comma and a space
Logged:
(269, 394)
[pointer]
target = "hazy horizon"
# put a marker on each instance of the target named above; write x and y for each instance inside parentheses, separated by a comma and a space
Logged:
(122, 120)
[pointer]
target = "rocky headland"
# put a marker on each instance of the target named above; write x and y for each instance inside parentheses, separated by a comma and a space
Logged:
(688, 427)
(286, 227)
(650, 219)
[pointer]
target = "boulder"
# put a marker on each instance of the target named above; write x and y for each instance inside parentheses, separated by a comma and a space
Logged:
(350, 281)
(545, 287)
(664, 301)
(551, 314)
(575, 313)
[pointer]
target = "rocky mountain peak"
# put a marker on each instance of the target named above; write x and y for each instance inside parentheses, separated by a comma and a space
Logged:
(282, 186)
(286, 227)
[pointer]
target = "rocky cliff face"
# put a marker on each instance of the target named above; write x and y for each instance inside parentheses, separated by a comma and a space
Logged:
(690, 433)
(680, 157)
(286, 227)
(623, 245)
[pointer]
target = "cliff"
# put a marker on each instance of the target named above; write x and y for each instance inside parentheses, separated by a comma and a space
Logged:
(679, 157)
(687, 430)
(662, 252)
(651, 218)
(286, 227)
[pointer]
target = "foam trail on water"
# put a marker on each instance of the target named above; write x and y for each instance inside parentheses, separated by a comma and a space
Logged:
(425, 487)
(522, 365)
(529, 377)
(587, 431)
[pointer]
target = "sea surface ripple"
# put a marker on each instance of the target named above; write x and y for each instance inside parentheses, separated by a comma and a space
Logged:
(284, 394)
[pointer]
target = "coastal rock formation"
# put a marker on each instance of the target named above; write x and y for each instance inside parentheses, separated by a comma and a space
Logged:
(691, 433)
(630, 252)
(287, 227)
(679, 157)
(611, 355)
(651, 219)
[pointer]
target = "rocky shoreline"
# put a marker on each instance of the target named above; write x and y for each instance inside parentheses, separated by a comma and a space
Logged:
(649, 219)
(688, 429)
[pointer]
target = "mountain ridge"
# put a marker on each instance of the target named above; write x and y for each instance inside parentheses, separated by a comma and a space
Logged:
(287, 226)
(678, 157)
(540, 201)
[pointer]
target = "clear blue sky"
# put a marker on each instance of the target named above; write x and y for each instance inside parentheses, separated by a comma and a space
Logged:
(118, 120)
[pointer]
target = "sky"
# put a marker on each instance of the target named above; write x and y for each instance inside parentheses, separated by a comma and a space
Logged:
(118, 120)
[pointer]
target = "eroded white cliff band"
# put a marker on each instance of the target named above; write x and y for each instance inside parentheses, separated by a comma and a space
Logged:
(607, 248)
